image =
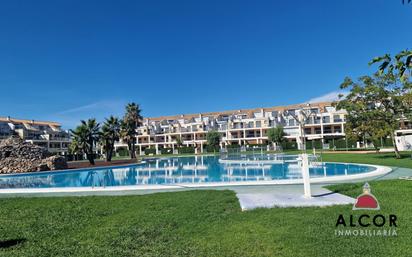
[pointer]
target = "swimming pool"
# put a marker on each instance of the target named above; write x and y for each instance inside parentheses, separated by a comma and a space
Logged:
(191, 171)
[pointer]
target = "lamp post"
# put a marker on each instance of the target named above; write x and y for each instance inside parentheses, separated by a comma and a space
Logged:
(305, 176)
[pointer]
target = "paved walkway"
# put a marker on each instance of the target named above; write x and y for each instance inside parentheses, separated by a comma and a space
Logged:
(288, 196)
(292, 195)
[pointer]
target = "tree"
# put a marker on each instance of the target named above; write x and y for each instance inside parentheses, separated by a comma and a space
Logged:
(126, 134)
(398, 68)
(276, 135)
(87, 135)
(376, 104)
(109, 135)
(131, 121)
(179, 141)
(74, 148)
(213, 138)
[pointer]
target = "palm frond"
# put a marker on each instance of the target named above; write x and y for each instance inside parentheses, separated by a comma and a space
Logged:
(384, 58)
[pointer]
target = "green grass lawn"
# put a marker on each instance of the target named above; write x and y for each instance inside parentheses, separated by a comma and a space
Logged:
(193, 223)
(386, 159)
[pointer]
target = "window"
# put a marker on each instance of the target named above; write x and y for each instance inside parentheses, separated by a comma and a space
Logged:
(336, 118)
(326, 119)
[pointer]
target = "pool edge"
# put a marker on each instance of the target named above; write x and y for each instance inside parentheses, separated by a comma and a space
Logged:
(379, 171)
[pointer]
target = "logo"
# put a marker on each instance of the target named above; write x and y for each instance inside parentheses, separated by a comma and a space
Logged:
(366, 223)
(366, 201)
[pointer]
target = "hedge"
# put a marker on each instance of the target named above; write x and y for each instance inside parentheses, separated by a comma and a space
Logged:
(233, 146)
(341, 144)
(166, 150)
(148, 151)
(257, 145)
(122, 152)
(317, 144)
(212, 149)
(186, 149)
(289, 145)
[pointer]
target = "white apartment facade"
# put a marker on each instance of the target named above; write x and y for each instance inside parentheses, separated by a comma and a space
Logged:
(241, 127)
(42, 133)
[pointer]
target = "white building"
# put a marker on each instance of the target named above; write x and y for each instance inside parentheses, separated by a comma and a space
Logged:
(42, 133)
(241, 127)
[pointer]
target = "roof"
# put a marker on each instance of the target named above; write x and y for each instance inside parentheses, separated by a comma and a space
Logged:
(321, 105)
(31, 122)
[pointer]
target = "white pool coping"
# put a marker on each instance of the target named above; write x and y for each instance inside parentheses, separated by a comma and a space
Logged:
(379, 171)
(256, 161)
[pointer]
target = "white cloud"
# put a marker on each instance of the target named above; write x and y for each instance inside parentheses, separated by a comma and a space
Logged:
(329, 97)
(100, 110)
(101, 105)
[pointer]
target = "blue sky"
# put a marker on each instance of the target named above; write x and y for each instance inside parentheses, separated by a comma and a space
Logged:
(70, 60)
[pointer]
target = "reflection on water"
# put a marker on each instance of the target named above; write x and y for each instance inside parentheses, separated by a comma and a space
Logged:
(198, 169)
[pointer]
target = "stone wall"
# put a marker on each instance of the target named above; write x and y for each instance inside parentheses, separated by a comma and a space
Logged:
(17, 156)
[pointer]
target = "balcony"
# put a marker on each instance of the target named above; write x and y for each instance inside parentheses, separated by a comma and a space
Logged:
(326, 119)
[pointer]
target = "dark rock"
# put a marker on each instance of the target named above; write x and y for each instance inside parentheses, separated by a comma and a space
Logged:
(56, 163)
(43, 167)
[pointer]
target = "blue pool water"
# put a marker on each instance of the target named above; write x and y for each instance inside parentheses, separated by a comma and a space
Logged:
(199, 169)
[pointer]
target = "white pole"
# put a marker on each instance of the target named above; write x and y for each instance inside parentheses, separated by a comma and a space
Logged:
(305, 176)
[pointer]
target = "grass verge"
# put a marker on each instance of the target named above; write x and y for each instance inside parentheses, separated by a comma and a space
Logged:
(193, 223)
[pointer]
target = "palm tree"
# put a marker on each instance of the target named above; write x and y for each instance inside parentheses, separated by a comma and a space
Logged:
(110, 133)
(79, 138)
(86, 135)
(74, 148)
(126, 134)
(131, 121)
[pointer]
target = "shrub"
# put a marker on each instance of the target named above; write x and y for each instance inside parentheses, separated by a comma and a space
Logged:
(233, 146)
(186, 149)
(289, 145)
(148, 151)
(317, 144)
(212, 149)
(341, 143)
(257, 145)
(166, 150)
(123, 152)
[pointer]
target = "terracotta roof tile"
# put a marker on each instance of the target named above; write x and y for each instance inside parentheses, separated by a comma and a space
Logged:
(30, 122)
(322, 105)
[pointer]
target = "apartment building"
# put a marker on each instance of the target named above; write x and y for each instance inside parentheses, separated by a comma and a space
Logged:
(42, 133)
(242, 127)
